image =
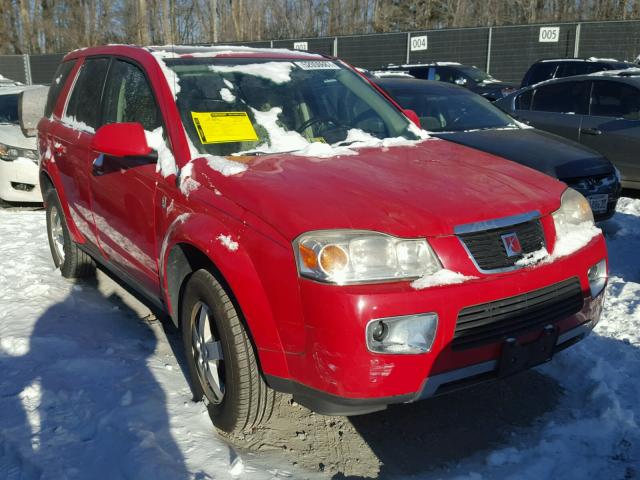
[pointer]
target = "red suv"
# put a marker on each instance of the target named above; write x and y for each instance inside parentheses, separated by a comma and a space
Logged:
(304, 234)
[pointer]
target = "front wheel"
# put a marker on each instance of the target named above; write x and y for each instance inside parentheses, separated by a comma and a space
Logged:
(222, 364)
(73, 262)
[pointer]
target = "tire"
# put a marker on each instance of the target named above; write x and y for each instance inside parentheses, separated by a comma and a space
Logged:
(72, 262)
(227, 376)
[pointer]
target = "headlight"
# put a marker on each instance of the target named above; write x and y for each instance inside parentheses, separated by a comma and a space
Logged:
(574, 210)
(507, 91)
(9, 153)
(617, 174)
(355, 256)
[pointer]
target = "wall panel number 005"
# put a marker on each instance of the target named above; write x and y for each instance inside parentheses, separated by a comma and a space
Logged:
(549, 34)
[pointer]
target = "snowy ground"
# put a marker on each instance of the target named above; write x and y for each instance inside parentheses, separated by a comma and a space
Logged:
(88, 389)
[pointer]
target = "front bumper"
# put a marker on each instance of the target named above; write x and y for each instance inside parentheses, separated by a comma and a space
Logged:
(19, 181)
(446, 382)
(338, 375)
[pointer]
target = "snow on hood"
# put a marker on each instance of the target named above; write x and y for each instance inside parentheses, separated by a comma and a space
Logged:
(11, 134)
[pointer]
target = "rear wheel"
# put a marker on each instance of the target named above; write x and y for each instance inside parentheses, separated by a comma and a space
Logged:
(222, 364)
(73, 262)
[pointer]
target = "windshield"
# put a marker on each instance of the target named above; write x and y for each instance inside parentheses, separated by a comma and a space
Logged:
(451, 111)
(476, 74)
(9, 109)
(235, 106)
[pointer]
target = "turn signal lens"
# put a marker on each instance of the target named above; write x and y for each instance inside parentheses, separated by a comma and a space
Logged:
(308, 257)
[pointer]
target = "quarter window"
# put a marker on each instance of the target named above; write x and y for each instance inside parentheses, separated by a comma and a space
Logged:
(523, 101)
(615, 99)
(129, 98)
(59, 79)
(562, 97)
(542, 71)
(84, 104)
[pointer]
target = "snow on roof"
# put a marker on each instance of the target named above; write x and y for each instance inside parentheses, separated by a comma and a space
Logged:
(590, 59)
(631, 72)
(277, 72)
(217, 50)
(387, 74)
(427, 64)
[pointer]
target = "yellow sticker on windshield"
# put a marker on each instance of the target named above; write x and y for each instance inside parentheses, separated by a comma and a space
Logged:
(223, 127)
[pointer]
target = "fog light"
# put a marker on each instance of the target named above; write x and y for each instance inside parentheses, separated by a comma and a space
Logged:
(378, 331)
(409, 334)
(597, 277)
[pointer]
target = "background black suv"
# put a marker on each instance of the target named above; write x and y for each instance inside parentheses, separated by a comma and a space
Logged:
(601, 111)
(473, 78)
(546, 69)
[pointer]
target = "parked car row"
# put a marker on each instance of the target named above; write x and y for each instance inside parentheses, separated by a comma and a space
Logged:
(593, 101)
(306, 236)
(458, 115)
(468, 76)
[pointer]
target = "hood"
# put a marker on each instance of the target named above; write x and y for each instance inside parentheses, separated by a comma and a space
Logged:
(12, 135)
(542, 151)
(408, 191)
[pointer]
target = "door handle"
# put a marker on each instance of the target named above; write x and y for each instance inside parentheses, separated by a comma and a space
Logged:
(591, 131)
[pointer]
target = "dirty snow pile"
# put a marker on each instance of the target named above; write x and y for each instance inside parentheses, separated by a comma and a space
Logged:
(88, 390)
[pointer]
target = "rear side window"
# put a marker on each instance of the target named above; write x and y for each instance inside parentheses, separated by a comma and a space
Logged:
(84, 104)
(446, 74)
(128, 97)
(59, 79)
(540, 72)
(563, 97)
(615, 99)
(420, 72)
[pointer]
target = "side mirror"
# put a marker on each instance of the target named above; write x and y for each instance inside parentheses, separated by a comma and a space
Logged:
(121, 140)
(31, 109)
(460, 81)
(413, 116)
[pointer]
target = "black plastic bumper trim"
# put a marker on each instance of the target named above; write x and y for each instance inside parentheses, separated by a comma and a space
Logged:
(328, 404)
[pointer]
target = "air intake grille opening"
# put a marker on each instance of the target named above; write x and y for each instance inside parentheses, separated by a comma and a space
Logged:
(493, 321)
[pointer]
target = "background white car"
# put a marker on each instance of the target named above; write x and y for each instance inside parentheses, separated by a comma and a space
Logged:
(18, 153)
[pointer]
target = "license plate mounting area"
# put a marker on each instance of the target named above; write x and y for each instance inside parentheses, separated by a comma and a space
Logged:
(516, 357)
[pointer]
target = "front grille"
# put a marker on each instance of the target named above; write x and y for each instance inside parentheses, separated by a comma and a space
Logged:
(488, 251)
(593, 184)
(489, 322)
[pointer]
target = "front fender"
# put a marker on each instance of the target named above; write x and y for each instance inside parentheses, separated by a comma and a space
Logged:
(202, 232)
(49, 169)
